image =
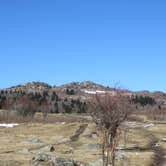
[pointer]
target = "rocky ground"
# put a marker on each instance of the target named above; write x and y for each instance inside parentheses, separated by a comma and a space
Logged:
(72, 142)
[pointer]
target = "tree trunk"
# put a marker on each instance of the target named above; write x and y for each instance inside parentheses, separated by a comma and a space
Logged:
(112, 146)
(108, 149)
(104, 149)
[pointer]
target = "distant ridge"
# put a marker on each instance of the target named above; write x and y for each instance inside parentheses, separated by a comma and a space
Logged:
(78, 86)
(83, 85)
(67, 94)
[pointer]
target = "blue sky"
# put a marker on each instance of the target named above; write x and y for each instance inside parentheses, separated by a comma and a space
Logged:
(105, 41)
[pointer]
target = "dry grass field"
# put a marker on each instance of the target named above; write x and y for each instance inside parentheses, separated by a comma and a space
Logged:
(142, 143)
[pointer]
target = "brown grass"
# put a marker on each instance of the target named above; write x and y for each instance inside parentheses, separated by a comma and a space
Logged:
(58, 133)
(11, 116)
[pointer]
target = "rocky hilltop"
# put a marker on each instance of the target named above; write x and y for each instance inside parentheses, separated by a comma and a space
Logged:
(30, 86)
(71, 97)
(83, 85)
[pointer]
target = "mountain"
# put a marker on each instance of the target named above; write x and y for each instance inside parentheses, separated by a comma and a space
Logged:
(79, 88)
(71, 97)
(30, 86)
(83, 85)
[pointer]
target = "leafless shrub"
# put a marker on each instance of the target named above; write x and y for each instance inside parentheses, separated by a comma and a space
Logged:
(8, 116)
(136, 117)
(45, 108)
(25, 107)
(151, 112)
(156, 114)
(108, 112)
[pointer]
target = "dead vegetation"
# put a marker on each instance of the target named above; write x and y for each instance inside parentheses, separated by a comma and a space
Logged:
(108, 113)
(11, 116)
(139, 142)
(86, 148)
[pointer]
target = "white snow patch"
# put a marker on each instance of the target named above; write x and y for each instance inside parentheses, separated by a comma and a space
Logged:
(90, 92)
(149, 125)
(100, 91)
(11, 125)
(94, 92)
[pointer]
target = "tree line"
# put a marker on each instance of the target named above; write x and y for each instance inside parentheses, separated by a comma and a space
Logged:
(27, 104)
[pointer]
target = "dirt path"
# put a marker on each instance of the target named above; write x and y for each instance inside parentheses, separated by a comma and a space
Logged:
(159, 153)
(158, 159)
(78, 132)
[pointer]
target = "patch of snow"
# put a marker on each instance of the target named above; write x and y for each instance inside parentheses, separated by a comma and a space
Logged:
(149, 125)
(100, 91)
(94, 92)
(90, 92)
(11, 125)
(163, 139)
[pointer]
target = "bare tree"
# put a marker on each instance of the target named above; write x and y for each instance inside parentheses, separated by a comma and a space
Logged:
(26, 107)
(45, 108)
(108, 112)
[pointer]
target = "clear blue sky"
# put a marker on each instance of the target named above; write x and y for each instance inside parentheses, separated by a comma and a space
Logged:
(106, 41)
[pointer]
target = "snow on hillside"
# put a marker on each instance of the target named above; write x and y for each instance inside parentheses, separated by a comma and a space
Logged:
(94, 92)
(11, 125)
